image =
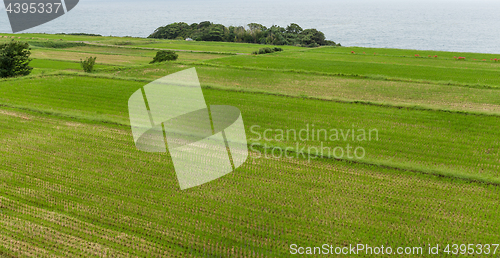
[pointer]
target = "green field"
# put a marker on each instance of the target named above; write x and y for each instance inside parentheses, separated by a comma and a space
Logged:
(407, 68)
(73, 183)
(208, 46)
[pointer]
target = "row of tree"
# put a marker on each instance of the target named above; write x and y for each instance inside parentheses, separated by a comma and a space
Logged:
(293, 34)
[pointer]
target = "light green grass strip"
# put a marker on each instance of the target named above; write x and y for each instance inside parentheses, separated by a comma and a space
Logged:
(488, 180)
(263, 92)
(359, 76)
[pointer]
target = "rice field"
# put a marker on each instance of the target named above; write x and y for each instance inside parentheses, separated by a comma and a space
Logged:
(73, 184)
(463, 75)
(336, 88)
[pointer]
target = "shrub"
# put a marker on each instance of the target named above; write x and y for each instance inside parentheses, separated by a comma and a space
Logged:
(88, 64)
(55, 44)
(267, 50)
(14, 59)
(80, 34)
(164, 55)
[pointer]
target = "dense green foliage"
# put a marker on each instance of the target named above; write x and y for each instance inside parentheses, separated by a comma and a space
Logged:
(293, 34)
(14, 59)
(88, 64)
(81, 34)
(267, 50)
(165, 55)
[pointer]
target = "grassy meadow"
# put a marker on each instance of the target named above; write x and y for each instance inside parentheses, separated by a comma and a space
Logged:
(73, 183)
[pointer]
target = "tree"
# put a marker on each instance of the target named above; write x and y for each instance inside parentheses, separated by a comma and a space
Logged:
(172, 31)
(164, 55)
(214, 33)
(88, 64)
(204, 24)
(256, 33)
(275, 36)
(312, 37)
(255, 27)
(294, 28)
(14, 59)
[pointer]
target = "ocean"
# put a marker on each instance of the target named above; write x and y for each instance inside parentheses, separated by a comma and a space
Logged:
(449, 25)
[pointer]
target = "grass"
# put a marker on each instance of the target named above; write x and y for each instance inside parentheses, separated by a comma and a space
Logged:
(404, 52)
(110, 55)
(130, 202)
(56, 44)
(442, 61)
(60, 65)
(59, 37)
(441, 141)
(73, 184)
(223, 47)
(183, 55)
(77, 56)
(406, 71)
(423, 95)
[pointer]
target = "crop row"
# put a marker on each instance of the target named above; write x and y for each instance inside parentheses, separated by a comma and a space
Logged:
(88, 184)
(451, 142)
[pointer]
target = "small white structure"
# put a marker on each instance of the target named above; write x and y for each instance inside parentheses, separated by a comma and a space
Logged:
(189, 39)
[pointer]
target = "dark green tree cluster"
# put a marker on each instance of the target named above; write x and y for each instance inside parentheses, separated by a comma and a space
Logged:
(14, 59)
(267, 50)
(88, 64)
(164, 55)
(293, 34)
